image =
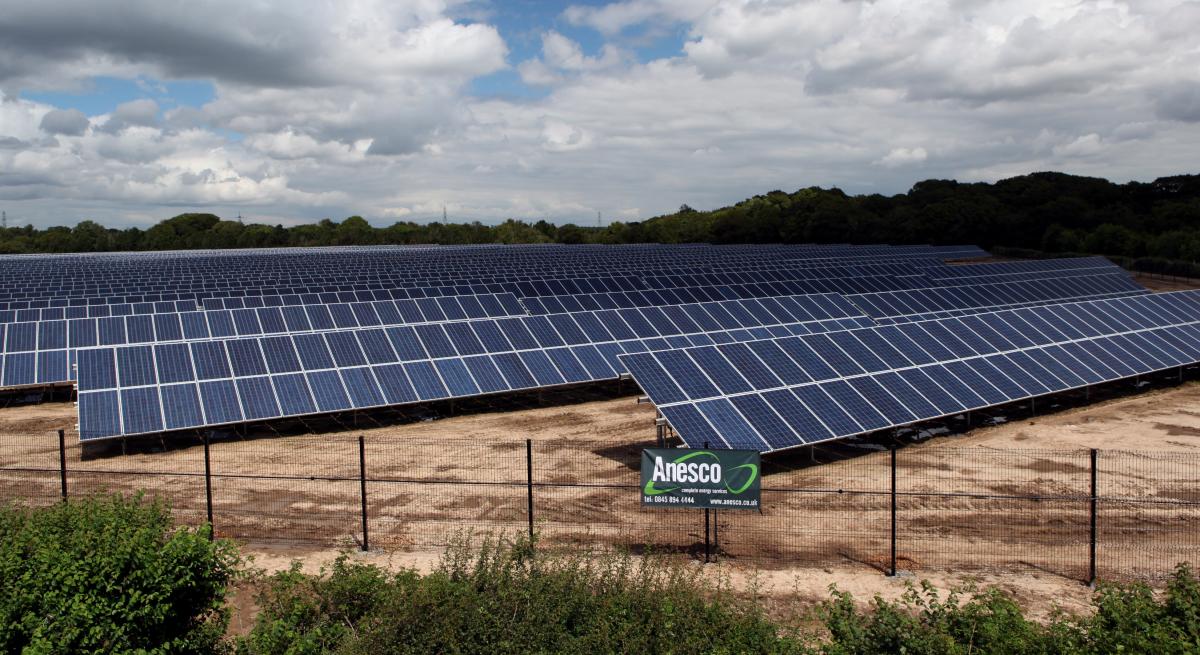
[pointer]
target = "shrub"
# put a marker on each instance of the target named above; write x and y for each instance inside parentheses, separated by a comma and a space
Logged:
(1127, 619)
(505, 597)
(501, 598)
(109, 575)
(1130, 619)
(923, 622)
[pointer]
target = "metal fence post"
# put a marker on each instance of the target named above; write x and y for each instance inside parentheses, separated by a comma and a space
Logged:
(707, 544)
(1092, 535)
(62, 463)
(212, 529)
(716, 532)
(529, 484)
(362, 487)
(893, 494)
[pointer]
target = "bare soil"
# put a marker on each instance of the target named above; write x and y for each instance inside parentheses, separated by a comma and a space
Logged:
(1165, 283)
(1005, 505)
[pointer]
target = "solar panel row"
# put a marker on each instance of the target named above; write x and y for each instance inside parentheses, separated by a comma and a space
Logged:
(43, 353)
(1063, 265)
(786, 392)
(919, 303)
(94, 276)
(141, 389)
(314, 293)
(877, 304)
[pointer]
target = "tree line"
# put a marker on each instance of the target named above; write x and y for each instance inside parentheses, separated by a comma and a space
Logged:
(1045, 212)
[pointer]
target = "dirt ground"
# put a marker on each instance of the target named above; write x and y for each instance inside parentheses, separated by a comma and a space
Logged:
(1165, 282)
(1004, 504)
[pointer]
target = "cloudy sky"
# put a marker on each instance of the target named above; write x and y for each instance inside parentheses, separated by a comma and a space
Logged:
(130, 111)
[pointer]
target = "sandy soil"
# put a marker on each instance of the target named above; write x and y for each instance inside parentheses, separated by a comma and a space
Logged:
(1165, 283)
(1005, 504)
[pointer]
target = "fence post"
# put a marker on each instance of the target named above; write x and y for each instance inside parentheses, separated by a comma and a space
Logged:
(707, 544)
(1092, 535)
(893, 494)
(529, 485)
(362, 488)
(62, 463)
(212, 529)
(716, 532)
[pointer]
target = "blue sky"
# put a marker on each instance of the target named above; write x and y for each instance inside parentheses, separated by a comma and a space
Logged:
(102, 94)
(137, 110)
(520, 22)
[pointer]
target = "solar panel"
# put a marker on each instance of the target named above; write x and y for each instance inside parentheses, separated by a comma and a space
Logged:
(403, 364)
(834, 387)
(41, 353)
(209, 338)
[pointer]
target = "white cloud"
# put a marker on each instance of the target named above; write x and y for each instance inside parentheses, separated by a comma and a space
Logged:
(363, 108)
(562, 57)
(902, 157)
(1083, 146)
(558, 136)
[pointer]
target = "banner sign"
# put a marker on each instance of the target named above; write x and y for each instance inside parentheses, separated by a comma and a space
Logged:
(701, 479)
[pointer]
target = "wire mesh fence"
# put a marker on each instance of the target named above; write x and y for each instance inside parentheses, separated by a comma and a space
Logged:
(1078, 514)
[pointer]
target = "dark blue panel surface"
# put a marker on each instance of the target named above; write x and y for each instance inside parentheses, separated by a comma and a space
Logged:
(730, 424)
(246, 357)
(174, 363)
(719, 370)
(313, 351)
(220, 402)
(135, 366)
(766, 422)
(394, 382)
(345, 349)
(295, 398)
(542, 368)
(426, 381)
(858, 407)
(514, 371)
(181, 406)
(363, 389)
(328, 391)
(99, 415)
(258, 398)
(457, 378)
(486, 374)
(568, 365)
(829, 412)
(689, 421)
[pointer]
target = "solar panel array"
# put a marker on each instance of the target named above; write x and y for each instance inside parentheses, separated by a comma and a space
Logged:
(163, 276)
(170, 341)
(783, 393)
(141, 389)
(40, 353)
(937, 302)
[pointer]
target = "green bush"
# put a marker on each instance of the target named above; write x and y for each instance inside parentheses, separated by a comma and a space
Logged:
(504, 597)
(1127, 619)
(923, 622)
(500, 598)
(109, 575)
(1131, 619)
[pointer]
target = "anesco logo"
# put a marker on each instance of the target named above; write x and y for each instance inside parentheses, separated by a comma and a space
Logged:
(683, 470)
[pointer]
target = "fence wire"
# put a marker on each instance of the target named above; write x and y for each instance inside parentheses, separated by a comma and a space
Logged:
(1077, 514)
